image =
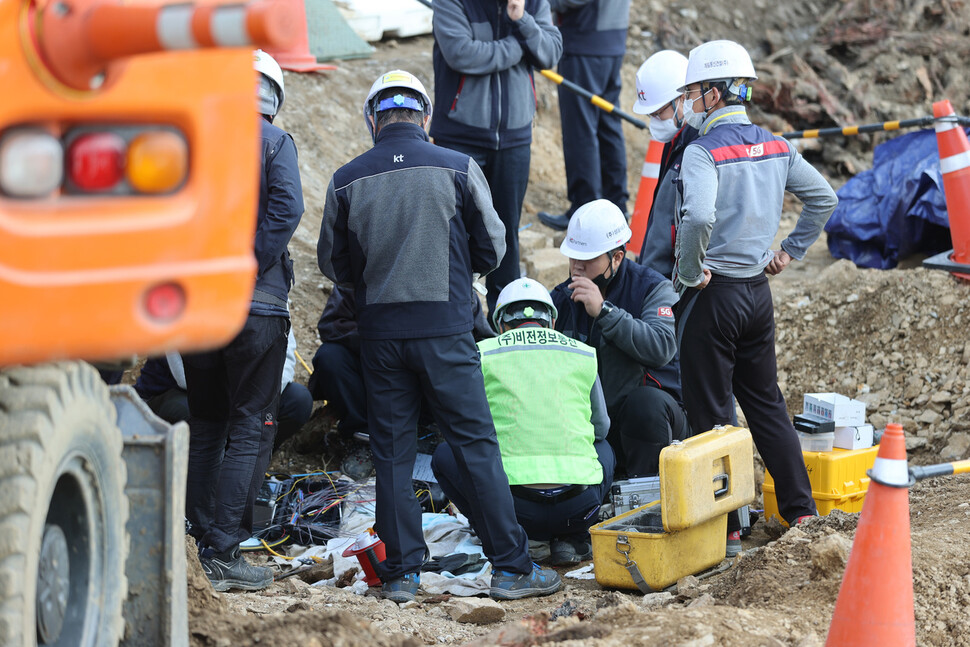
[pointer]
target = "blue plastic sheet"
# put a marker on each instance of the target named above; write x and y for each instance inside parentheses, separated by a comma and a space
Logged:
(894, 210)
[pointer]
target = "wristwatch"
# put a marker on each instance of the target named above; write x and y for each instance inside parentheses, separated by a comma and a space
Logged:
(606, 309)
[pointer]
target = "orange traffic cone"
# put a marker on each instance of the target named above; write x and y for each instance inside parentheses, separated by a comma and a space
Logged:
(955, 165)
(649, 177)
(875, 603)
(298, 57)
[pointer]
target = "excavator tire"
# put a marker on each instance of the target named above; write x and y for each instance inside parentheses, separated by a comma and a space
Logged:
(63, 509)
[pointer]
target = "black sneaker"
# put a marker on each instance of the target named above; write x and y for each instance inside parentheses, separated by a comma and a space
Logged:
(403, 589)
(508, 585)
(567, 551)
(230, 570)
(559, 222)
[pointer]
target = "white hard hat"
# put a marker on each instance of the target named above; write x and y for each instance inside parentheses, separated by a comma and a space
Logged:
(268, 67)
(394, 79)
(659, 80)
(716, 60)
(519, 291)
(595, 228)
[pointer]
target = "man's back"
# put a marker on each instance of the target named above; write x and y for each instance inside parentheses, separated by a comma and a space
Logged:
(410, 222)
(539, 384)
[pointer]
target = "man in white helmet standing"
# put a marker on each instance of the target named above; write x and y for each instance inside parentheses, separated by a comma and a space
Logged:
(233, 392)
(659, 80)
(624, 311)
(734, 178)
(550, 415)
(405, 225)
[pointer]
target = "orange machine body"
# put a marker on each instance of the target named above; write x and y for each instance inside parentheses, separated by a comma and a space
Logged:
(76, 270)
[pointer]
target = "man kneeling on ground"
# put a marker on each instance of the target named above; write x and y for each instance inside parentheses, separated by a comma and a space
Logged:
(550, 417)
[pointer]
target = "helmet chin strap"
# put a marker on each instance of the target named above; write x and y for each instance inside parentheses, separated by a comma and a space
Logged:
(601, 280)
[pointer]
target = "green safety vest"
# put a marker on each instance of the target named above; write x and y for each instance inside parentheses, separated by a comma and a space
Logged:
(538, 383)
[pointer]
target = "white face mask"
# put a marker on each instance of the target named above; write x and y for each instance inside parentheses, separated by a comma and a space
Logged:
(663, 130)
(694, 119)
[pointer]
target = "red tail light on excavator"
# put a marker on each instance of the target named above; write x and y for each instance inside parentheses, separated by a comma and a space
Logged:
(96, 162)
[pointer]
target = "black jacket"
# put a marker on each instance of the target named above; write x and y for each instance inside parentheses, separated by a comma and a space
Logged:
(280, 211)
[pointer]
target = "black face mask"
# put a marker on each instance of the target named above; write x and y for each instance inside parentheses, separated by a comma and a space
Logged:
(601, 281)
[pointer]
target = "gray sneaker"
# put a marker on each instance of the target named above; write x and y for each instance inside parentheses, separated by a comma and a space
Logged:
(230, 570)
(402, 589)
(567, 551)
(509, 585)
(539, 551)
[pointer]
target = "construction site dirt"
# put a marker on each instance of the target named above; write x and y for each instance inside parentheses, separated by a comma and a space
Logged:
(895, 339)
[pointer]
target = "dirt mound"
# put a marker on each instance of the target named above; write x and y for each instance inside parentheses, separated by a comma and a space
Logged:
(893, 339)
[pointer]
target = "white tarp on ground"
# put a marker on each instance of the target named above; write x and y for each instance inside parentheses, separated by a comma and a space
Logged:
(444, 534)
(377, 19)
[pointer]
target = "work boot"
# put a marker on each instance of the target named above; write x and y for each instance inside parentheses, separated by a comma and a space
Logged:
(358, 464)
(402, 589)
(733, 547)
(539, 551)
(509, 585)
(230, 570)
(567, 551)
(559, 222)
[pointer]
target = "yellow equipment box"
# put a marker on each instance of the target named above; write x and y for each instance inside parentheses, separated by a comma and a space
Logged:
(838, 479)
(701, 480)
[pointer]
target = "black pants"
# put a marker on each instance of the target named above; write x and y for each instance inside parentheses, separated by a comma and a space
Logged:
(338, 379)
(541, 521)
(645, 422)
(727, 345)
(233, 397)
(592, 142)
(447, 371)
(507, 172)
(295, 407)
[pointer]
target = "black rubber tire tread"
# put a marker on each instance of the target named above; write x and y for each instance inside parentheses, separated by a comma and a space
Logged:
(47, 414)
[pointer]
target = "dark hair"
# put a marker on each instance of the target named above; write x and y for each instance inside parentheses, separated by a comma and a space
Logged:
(728, 97)
(393, 115)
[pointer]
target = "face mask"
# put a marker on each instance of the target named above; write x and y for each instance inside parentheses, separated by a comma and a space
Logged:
(601, 281)
(693, 119)
(663, 130)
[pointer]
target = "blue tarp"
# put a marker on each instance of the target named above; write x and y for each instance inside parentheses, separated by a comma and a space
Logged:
(895, 209)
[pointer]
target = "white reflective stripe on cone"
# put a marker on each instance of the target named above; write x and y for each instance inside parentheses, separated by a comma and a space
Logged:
(228, 27)
(943, 126)
(891, 471)
(174, 27)
(956, 162)
(650, 170)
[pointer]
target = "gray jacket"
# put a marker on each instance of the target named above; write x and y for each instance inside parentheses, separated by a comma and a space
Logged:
(734, 178)
(484, 91)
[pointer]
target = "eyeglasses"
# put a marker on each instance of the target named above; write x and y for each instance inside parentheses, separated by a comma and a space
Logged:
(664, 113)
(700, 92)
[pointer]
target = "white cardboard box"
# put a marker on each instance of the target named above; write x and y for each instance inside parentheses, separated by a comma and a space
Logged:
(858, 437)
(844, 411)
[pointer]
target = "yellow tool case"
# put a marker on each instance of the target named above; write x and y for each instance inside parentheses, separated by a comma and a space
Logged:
(838, 479)
(701, 480)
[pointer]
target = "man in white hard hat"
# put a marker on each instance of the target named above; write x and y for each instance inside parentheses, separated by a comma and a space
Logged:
(233, 392)
(550, 415)
(405, 225)
(625, 311)
(593, 46)
(734, 179)
(659, 80)
(484, 53)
